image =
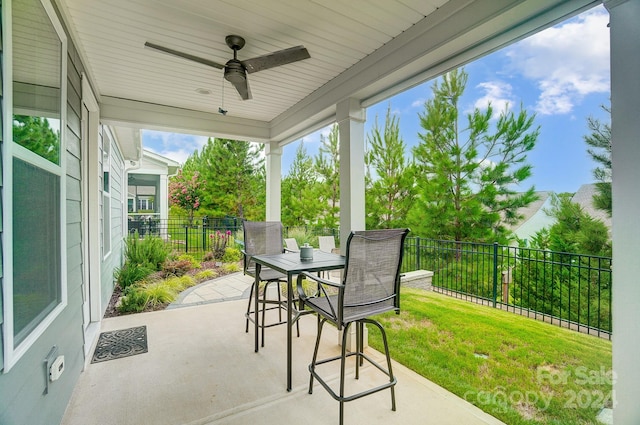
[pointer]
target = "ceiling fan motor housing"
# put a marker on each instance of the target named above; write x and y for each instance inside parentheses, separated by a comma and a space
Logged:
(234, 72)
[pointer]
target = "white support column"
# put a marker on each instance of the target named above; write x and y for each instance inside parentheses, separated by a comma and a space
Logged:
(273, 154)
(164, 204)
(351, 116)
(625, 154)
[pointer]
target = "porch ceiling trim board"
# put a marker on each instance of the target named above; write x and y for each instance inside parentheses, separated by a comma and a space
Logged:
(142, 115)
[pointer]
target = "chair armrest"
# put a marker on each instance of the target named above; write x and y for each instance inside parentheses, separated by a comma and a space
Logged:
(302, 295)
(322, 281)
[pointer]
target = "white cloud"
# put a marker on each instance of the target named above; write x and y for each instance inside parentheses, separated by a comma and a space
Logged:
(418, 103)
(497, 93)
(567, 62)
(174, 146)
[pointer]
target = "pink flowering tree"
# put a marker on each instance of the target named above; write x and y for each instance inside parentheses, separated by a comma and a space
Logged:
(184, 192)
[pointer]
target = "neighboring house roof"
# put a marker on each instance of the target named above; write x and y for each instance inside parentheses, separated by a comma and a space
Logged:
(535, 218)
(584, 198)
(172, 166)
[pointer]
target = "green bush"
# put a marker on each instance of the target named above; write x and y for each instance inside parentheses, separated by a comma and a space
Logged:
(134, 300)
(158, 293)
(179, 284)
(149, 250)
(231, 267)
(302, 236)
(206, 275)
(131, 273)
(231, 255)
(195, 264)
(176, 267)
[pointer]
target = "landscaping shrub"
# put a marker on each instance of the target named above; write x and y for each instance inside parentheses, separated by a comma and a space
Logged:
(158, 293)
(134, 300)
(150, 249)
(176, 267)
(195, 264)
(231, 255)
(179, 284)
(302, 236)
(231, 267)
(131, 273)
(206, 275)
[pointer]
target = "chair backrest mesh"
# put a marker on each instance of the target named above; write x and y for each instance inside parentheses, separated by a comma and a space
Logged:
(372, 270)
(326, 243)
(262, 238)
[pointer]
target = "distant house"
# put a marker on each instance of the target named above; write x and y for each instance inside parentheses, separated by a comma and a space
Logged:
(584, 197)
(535, 218)
(147, 190)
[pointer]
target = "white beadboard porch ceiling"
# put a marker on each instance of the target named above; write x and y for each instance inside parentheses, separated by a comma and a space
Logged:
(365, 49)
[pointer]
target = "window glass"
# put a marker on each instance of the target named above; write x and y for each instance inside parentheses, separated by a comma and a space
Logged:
(36, 246)
(37, 172)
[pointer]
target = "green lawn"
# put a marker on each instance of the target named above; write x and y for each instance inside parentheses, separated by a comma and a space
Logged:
(517, 369)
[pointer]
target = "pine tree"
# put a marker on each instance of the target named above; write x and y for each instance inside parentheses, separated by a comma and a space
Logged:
(600, 151)
(328, 170)
(35, 134)
(299, 192)
(389, 176)
(468, 177)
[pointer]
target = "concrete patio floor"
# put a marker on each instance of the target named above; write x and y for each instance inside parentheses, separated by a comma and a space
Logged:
(201, 369)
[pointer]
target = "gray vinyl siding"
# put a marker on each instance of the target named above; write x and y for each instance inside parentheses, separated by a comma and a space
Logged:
(114, 260)
(22, 388)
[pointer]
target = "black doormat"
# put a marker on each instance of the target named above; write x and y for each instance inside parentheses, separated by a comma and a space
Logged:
(121, 343)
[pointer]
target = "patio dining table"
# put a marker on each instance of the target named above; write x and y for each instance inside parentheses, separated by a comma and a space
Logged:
(290, 264)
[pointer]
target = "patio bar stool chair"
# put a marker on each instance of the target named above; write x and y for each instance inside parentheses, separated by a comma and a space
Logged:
(292, 245)
(264, 238)
(370, 286)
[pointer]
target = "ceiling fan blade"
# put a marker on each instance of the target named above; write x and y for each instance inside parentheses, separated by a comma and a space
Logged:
(243, 89)
(183, 55)
(281, 57)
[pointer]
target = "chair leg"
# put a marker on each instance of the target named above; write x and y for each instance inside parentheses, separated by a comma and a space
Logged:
(249, 305)
(343, 359)
(386, 351)
(312, 366)
(264, 309)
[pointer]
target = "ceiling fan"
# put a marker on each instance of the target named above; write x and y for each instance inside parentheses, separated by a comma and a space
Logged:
(235, 71)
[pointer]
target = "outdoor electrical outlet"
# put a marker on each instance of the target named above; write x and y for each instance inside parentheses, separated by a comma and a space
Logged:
(56, 369)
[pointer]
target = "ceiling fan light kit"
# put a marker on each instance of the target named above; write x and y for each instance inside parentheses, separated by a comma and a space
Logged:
(235, 70)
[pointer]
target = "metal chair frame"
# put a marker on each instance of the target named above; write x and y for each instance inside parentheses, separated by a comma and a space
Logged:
(330, 307)
(267, 276)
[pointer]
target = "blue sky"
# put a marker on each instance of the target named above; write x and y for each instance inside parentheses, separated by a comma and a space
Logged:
(561, 74)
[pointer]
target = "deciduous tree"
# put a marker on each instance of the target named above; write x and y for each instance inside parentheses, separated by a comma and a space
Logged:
(185, 191)
(235, 177)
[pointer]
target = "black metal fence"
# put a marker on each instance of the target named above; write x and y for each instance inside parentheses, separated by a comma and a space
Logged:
(199, 235)
(570, 290)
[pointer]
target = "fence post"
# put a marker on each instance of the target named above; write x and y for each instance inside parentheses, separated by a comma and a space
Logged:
(495, 273)
(418, 253)
(186, 238)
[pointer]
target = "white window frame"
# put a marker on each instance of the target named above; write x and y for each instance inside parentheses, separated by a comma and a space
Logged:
(106, 194)
(12, 150)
